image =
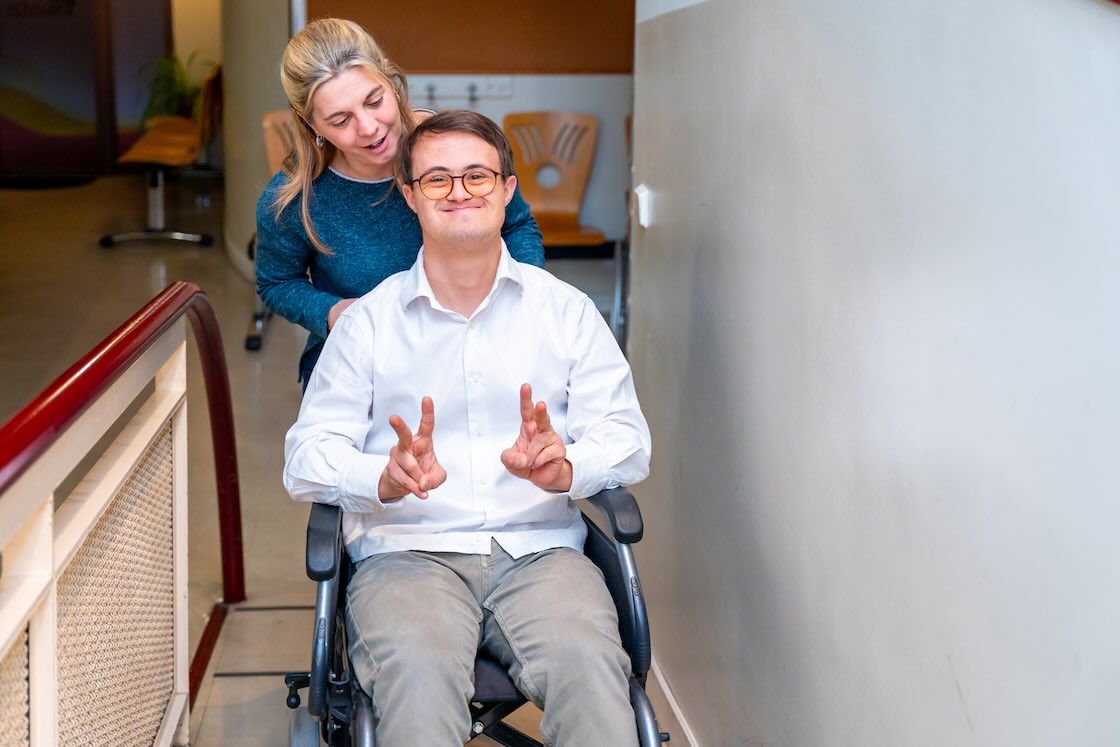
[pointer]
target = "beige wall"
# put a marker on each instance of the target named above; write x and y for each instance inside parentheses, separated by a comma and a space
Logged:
(254, 35)
(247, 37)
(196, 27)
(875, 331)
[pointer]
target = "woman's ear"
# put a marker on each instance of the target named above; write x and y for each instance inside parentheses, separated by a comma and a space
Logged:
(307, 123)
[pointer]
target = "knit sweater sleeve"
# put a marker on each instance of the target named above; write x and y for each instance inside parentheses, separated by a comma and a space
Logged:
(284, 255)
(520, 231)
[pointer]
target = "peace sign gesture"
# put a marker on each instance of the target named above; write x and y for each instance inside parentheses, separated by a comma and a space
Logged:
(413, 467)
(538, 455)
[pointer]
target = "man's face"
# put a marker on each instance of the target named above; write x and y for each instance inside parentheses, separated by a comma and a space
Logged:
(460, 216)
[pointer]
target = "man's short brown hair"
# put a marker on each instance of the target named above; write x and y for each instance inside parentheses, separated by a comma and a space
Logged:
(454, 120)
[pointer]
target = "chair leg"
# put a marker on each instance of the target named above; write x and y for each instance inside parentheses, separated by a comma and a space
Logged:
(617, 312)
(255, 335)
(156, 220)
(261, 313)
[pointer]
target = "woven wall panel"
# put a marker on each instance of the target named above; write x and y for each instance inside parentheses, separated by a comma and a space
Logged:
(15, 724)
(116, 615)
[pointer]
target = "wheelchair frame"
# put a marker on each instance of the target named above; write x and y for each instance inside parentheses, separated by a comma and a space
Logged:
(341, 714)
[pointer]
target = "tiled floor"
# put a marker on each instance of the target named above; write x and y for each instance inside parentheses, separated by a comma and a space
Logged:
(60, 294)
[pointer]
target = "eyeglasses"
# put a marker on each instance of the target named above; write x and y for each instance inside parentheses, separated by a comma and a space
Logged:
(478, 182)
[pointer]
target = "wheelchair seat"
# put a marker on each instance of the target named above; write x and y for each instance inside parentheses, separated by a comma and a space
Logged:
(338, 711)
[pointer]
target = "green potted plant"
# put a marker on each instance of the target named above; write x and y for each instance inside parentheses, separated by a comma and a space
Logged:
(174, 86)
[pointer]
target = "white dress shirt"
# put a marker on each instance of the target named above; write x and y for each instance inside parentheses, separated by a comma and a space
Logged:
(397, 344)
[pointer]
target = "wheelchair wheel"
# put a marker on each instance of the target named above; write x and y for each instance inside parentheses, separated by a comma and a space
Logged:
(303, 731)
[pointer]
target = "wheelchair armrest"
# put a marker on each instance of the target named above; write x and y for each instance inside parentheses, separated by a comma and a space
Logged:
(610, 548)
(323, 546)
(620, 509)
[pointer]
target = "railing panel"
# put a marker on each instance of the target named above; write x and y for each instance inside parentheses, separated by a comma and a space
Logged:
(78, 515)
(15, 695)
(116, 613)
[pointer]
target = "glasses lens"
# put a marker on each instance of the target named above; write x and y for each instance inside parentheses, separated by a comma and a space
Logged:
(436, 186)
(479, 182)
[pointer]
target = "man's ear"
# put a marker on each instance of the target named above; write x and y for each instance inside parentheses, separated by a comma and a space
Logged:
(511, 184)
(406, 190)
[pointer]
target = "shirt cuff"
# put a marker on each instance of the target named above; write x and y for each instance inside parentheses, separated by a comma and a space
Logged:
(357, 484)
(589, 470)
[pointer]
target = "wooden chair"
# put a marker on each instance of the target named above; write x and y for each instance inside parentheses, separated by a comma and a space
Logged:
(170, 143)
(279, 137)
(279, 129)
(553, 153)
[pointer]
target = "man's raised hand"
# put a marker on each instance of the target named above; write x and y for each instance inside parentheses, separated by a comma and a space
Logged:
(538, 455)
(412, 466)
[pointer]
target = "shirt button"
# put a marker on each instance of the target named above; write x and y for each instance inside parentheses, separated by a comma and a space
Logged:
(482, 480)
(476, 378)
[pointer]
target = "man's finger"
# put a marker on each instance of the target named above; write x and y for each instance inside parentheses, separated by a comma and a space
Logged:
(427, 417)
(400, 479)
(409, 482)
(544, 423)
(554, 452)
(406, 463)
(533, 448)
(437, 475)
(526, 403)
(514, 460)
(404, 434)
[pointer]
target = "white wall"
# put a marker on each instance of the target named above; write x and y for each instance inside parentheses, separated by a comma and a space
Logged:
(875, 329)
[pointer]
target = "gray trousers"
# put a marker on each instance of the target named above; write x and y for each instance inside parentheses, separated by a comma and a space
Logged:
(416, 619)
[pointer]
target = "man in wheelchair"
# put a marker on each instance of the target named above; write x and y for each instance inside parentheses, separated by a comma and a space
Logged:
(465, 531)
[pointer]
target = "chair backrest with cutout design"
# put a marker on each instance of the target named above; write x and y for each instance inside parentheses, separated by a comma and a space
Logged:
(553, 153)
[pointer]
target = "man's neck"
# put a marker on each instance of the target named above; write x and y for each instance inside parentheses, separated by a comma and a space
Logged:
(461, 275)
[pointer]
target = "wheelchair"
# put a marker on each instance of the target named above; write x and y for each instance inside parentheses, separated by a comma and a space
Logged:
(340, 714)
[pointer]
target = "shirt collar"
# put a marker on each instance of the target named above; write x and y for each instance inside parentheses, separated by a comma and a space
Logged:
(416, 283)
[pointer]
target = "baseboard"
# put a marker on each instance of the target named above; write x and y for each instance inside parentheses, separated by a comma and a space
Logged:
(687, 738)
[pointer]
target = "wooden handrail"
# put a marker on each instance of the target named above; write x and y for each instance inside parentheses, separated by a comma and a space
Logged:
(31, 431)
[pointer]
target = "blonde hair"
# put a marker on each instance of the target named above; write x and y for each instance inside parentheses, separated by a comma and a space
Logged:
(323, 50)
